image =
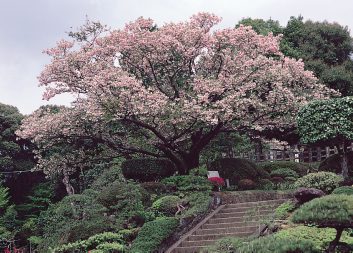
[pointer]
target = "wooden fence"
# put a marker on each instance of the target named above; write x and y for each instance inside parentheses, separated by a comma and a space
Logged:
(296, 153)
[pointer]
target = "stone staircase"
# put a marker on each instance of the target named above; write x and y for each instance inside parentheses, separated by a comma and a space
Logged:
(238, 220)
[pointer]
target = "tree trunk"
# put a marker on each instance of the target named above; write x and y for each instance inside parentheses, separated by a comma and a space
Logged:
(191, 160)
(68, 186)
(343, 160)
(334, 243)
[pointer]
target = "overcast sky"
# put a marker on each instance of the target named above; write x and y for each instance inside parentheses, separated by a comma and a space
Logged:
(29, 26)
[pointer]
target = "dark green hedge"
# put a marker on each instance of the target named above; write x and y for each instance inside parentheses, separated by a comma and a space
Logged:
(236, 169)
(301, 168)
(147, 169)
(333, 164)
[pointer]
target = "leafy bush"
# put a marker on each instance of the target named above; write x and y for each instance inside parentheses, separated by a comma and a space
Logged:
(246, 184)
(226, 245)
(236, 169)
(188, 183)
(147, 169)
(152, 234)
(333, 164)
(98, 241)
(157, 188)
(107, 177)
(284, 209)
(166, 205)
(74, 218)
(320, 237)
(199, 171)
(118, 194)
(275, 244)
(198, 204)
(348, 190)
(300, 168)
(332, 211)
(325, 181)
(328, 211)
(284, 173)
(265, 184)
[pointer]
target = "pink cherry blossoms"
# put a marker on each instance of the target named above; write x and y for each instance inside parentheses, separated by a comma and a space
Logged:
(180, 83)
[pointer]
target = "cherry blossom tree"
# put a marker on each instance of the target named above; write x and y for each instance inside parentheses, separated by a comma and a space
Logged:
(168, 91)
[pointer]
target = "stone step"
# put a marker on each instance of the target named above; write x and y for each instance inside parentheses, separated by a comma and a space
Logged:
(257, 203)
(195, 249)
(216, 236)
(230, 224)
(249, 213)
(197, 243)
(227, 230)
(238, 219)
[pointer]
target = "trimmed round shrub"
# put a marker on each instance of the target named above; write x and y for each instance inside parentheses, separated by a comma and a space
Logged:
(277, 180)
(167, 205)
(118, 194)
(265, 184)
(332, 211)
(325, 181)
(236, 169)
(284, 173)
(348, 190)
(157, 188)
(226, 245)
(328, 211)
(333, 164)
(147, 169)
(300, 168)
(188, 183)
(246, 184)
(320, 237)
(274, 244)
(152, 234)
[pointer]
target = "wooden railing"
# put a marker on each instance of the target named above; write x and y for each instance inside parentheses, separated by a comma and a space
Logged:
(297, 153)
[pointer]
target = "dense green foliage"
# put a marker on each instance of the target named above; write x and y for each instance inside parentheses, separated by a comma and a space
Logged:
(147, 169)
(167, 205)
(284, 173)
(236, 169)
(94, 242)
(300, 168)
(333, 164)
(198, 204)
(348, 190)
(284, 209)
(188, 183)
(327, 120)
(328, 211)
(152, 234)
(320, 237)
(325, 181)
(226, 245)
(274, 244)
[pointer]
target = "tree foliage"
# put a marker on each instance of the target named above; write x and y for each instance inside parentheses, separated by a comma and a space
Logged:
(328, 122)
(168, 91)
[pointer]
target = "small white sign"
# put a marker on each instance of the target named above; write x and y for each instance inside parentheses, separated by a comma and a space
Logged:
(212, 173)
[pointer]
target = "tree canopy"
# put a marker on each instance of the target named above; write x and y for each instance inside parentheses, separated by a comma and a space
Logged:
(328, 122)
(168, 91)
